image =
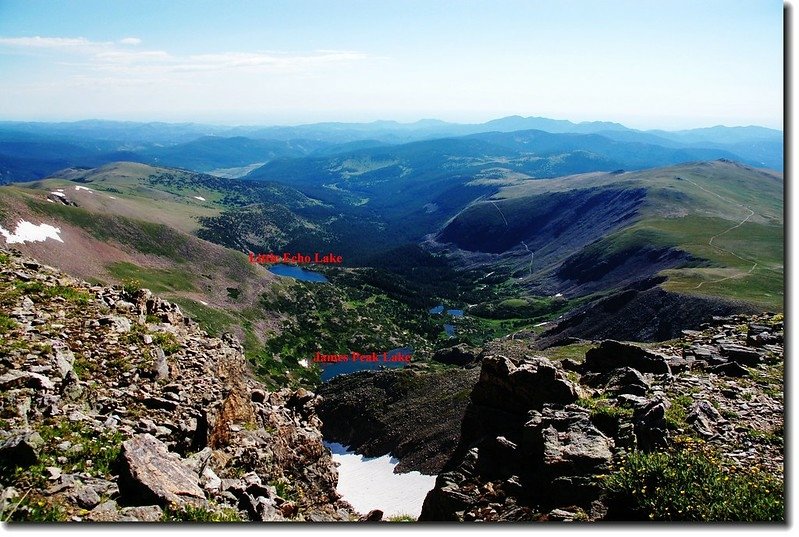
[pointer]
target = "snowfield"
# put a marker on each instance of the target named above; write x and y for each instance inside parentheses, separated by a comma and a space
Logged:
(199, 198)
(370, 483)
(27, 232)
(83, 188)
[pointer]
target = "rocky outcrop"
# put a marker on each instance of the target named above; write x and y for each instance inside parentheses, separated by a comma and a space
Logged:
(613, 354)
(124, 409)
(527, 452)
(460, 355)
(518, 388)
(412, 413)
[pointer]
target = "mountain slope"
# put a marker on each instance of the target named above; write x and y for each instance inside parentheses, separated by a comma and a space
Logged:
(711, 228)
(135, 414)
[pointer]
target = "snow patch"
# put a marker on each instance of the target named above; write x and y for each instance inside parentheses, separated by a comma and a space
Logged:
(27, 232)
(112, 197)
(83, 188)
(199, 198)
(58, 193)
(51, 201)
(204, 303)
(370, 483)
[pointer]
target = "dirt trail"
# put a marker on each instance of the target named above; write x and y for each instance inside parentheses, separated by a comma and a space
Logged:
(739, 224)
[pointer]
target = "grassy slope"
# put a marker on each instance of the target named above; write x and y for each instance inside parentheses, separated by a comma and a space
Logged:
(686, 206)
(141, 235)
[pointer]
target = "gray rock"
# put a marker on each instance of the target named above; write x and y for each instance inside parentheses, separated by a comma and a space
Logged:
(626, 380)
(533, 383)
(85, 497)
(146, 513)
(64, 359)
(197, 462)
(149, 474)
(210, 481)
(729, 369)
(21, 449)
(117, 323)
(25, 379)
(650, 425)
(612, 354)
(742, 355)
(704, 418)
(457, 355)
(105, 512)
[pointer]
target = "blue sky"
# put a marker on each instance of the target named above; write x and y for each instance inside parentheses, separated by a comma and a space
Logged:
(647, 64)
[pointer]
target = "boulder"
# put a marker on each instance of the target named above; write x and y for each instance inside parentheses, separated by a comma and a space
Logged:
(741, 355)
(649, 424)
(705, 418)
(25, 379)
(457, 355)
(530, 385)
(625, 380)
(613, 354)
(21, 449)
(729, 369)
(150, 474)
(567, 451)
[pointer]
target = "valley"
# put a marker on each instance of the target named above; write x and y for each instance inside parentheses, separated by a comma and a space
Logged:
(384, 267)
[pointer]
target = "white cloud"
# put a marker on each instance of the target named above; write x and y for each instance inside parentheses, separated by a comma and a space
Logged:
(107, 55)
(69, 44)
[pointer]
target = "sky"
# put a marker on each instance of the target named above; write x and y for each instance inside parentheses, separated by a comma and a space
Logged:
(647, 64)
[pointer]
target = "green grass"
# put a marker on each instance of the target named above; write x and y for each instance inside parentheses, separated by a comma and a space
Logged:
(189, 513)
(604, 409)
(575, 351)
(693, 483)
(34, 508)
(157, 280)
(212, 320)
(144, 237)
(401, 518)
(6, 323)
(677, 413)
(50, 291)
(167, 341)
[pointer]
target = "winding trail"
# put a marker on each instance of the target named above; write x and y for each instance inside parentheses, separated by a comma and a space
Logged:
(500, 213)
(739, 224)
(531, 257)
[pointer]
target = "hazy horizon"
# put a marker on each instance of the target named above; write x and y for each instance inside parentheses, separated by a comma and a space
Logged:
(648, 65)
(235, 124)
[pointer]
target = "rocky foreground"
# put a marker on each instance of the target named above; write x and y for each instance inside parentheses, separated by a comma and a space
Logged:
(116, 407)
(691, 430)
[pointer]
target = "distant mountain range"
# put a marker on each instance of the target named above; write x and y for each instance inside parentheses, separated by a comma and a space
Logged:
(33, 150)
